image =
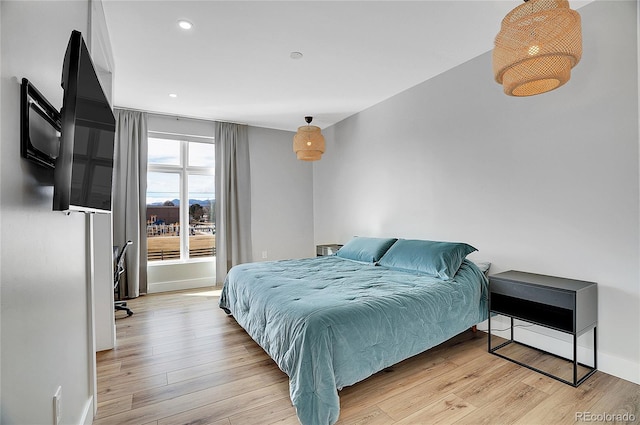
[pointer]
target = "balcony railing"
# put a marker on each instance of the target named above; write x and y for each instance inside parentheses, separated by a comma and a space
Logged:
(174, 254)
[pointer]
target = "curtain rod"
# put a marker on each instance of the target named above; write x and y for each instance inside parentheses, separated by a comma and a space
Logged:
(167, 133)
(177, 116)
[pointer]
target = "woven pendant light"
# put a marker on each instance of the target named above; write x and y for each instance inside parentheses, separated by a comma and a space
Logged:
(308, 143)
(538, 44)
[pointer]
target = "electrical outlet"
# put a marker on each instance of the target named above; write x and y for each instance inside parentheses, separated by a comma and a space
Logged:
(57, 407)
(264, 255)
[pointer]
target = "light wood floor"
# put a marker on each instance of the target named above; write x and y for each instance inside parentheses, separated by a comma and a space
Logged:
(181, 360)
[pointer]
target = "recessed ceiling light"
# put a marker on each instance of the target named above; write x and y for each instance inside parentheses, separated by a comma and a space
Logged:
(184, 24)
(173, 95)
(296, 55)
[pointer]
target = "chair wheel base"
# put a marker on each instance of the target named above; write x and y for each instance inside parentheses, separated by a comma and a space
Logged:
(122, 306)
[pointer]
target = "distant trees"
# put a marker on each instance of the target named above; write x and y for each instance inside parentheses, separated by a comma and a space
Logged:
(200, 211)
(196, 212)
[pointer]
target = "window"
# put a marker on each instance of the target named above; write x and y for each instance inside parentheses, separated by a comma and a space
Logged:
(180, 199)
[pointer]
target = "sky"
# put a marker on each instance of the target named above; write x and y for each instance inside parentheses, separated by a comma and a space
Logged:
(163, 182)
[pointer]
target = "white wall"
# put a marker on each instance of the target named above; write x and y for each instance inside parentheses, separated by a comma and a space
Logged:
(99, 44)
(45, 325)
(104, 317)
(174, 276)
(281, 197)
(546, 184)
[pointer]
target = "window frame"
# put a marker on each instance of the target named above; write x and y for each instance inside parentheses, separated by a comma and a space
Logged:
(184, 170)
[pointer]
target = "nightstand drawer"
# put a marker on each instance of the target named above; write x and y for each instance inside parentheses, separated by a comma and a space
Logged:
(534, 293)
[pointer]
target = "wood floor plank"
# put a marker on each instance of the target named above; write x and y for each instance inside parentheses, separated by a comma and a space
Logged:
(393, 380)
(242, 361)
(116, 405)
(492, 384)
(622, 400)
(181, 360)
(167, 392)
(221, 340)
(368, 415)
(120, 386)
(561, 407)
(446, 410)
(176, 360)
(227, 407)
(105, 368)
(232, 398)
(393, 383)
(119, 354)
(277, 412)
(408, 402)
(543, 383)
(507, 408)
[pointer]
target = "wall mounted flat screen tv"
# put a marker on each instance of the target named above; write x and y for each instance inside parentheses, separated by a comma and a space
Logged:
(84, 166)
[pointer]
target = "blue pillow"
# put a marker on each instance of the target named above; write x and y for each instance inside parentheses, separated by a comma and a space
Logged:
(365, 249)
(438, 259)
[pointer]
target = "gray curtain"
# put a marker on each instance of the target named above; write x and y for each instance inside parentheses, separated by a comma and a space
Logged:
(129, 197)
(233, 197)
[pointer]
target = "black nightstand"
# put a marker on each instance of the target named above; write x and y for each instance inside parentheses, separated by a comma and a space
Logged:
(327, 249)
(566, 305)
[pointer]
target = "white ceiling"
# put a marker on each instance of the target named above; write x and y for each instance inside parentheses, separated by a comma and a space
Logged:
(234, 64)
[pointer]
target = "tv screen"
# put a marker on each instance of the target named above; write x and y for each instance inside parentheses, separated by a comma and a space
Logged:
(84, 166)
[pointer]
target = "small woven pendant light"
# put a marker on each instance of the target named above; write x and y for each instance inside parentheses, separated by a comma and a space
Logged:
(308, 143)
(538, 44)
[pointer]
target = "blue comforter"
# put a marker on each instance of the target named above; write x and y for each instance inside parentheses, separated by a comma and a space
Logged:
(329, 322)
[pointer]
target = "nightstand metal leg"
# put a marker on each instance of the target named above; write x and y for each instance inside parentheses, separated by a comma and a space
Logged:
(511, 329)
(575, 359)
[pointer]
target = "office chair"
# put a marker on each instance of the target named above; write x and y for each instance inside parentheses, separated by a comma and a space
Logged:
(119, 269)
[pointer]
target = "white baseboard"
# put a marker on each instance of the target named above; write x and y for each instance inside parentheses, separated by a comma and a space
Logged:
(622, 368)
(87, 414)
(177, 285)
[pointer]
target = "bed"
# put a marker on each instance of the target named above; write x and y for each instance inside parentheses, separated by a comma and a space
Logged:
(330, 322)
